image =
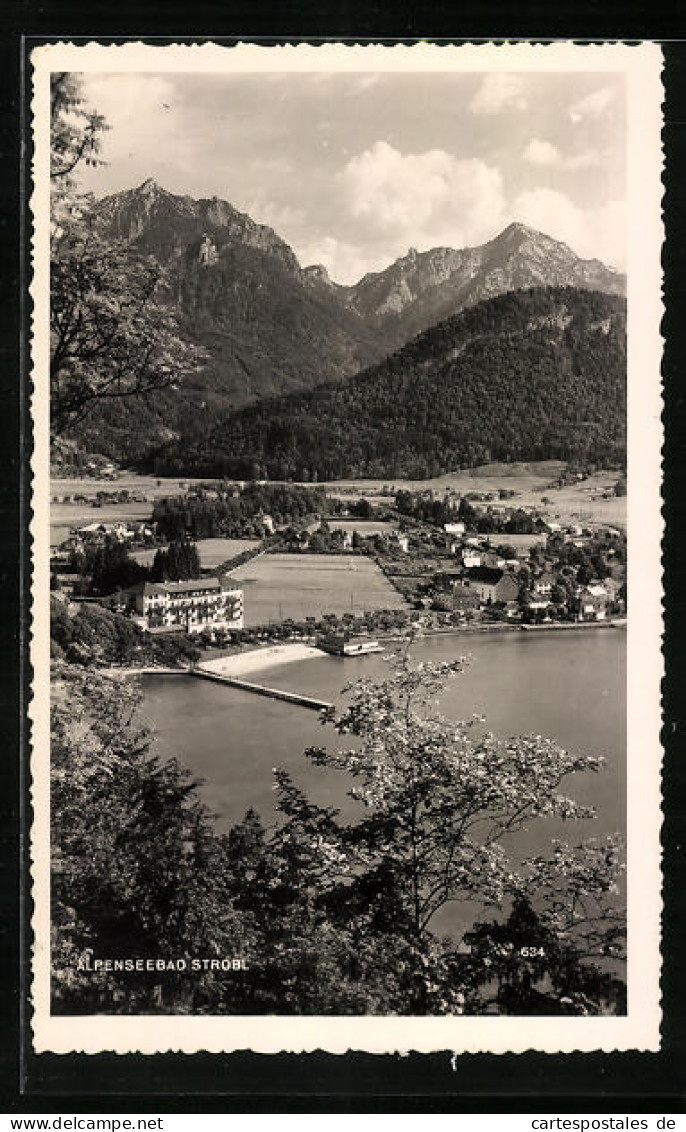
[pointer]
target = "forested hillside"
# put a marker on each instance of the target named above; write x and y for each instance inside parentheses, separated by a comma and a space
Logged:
(265, 326)
(528, 375)
(238, 292)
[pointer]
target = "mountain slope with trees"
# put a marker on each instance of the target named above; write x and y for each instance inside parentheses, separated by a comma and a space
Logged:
(250, 323)
(240, 296)
(529, 375)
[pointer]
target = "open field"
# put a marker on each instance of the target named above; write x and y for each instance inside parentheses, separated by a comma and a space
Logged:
(64, 516)
(365, 528)
(152, 486)
(486, 477)
(212, 551)
(278, 586)
(581, 501)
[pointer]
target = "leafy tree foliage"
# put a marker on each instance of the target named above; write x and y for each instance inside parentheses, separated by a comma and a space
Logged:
(331, 918)
(441, 798)
(137, 869)
(75, 132)
(107, 568)
(529, 968)
(177, 563)
(112, 333)
(96, 636)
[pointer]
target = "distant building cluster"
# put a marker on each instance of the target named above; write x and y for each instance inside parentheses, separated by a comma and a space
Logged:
(96, 534)
(484, 578)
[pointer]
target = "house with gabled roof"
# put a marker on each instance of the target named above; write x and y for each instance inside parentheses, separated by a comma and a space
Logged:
(591, 602)
(543, 584)
(494, 586)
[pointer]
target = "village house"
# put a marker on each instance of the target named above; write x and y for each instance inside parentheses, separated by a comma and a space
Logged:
(543, 585)
(591, 603)
(454, 528)
(494, 586)
(194, 605)
(493, 561)
(536, 607)
(471, 558)
(94, 533)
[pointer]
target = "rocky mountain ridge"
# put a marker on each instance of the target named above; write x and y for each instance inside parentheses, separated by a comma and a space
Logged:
(271, 327)
(422, 288)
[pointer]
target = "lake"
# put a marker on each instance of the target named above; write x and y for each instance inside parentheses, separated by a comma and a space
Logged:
(568, 686)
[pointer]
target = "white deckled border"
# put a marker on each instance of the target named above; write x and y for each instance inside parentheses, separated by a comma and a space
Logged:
(640, 1029)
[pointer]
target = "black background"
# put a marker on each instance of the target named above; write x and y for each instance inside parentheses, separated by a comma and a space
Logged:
(244, 1082)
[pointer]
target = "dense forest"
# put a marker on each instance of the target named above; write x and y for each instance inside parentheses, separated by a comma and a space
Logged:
(237, 512)
(528, 375)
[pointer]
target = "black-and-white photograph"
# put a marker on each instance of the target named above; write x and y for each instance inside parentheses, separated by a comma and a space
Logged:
(338, 542)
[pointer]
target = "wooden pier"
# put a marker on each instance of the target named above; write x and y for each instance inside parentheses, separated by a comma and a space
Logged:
(261, 689)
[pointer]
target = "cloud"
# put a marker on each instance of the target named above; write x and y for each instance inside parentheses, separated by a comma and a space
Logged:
(141, 114)
(498, 91)
(122, 98)
(593, 233)
(345, 262)
(545, 154)
(592, 105)
(422, 198)
(542, 153)
(287, 220)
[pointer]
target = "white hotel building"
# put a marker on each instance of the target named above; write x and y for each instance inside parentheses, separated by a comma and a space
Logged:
(200, 603)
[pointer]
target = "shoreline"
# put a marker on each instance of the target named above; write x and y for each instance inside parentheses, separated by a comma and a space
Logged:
(251, 660)
(254, 660)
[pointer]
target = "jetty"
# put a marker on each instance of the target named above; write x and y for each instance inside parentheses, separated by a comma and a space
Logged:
(568, 626)
(261, 689)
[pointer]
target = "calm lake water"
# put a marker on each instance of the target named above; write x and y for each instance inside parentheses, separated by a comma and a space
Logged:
(568, 686)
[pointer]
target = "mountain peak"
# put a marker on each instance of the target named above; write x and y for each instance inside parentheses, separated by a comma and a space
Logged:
(419, 290)
(516, 230)
(148, 187)
(317, 273)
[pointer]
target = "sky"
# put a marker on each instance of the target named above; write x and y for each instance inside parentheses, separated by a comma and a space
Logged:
(354, 169)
